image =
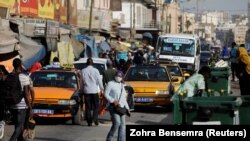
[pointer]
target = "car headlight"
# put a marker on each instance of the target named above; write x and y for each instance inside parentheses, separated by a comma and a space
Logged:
(67, 102)
(161, 92)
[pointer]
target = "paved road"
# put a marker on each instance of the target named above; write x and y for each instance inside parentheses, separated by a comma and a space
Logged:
(61, 131)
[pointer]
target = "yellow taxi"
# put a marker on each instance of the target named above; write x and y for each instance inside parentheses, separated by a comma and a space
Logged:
(56, 94)
(175, 71)
(151, 83)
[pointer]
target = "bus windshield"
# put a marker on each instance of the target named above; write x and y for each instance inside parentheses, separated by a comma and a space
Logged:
(177, 46)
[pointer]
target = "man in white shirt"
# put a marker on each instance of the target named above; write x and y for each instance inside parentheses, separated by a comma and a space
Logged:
(91, 86)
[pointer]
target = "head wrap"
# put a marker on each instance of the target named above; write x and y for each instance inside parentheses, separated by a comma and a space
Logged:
(244, 57)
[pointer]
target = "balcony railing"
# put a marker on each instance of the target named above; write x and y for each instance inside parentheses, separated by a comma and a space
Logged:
(152, 24)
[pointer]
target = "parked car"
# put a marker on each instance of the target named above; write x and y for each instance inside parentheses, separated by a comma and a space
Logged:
(151, 83)
(56, 94)
(206, 57)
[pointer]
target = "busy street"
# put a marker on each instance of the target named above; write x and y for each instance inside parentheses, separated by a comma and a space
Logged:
(83, 70)
(61, 130)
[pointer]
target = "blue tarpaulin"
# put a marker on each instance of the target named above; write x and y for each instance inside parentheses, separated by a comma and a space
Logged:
(30, 51)
(91, 48)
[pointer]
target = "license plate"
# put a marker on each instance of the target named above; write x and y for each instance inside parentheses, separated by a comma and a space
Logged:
(143, 99)
(42, 111)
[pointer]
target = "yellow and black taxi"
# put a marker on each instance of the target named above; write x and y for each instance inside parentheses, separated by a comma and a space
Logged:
(151, 83)
(175, 71)
(56, 94)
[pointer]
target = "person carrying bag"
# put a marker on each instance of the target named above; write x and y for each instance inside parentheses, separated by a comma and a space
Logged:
(118, 107)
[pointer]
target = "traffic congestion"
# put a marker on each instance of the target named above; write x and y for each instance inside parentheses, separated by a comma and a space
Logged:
(61, 80)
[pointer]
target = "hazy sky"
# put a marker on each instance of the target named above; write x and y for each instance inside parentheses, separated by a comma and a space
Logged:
(232, 6)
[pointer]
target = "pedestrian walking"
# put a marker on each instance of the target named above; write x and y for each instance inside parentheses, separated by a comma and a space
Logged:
(29, 113)
(234, 59)
(91, 86)
(243, 70)
(109, 74)
(3, 74)
(19, 110)
(225, 54)
(116, 96)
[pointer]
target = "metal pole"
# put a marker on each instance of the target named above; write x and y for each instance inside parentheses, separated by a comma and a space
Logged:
(197, 10)
(134, 20)
(162, 19)
(90, 17)
(131, 11)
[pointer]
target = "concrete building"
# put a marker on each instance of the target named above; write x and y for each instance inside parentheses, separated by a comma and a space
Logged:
(171, 17)
(240, 34)
(101, 15)
(137, 17)
(188, 22)
(226, 26)
(214, 18)
(247, 39)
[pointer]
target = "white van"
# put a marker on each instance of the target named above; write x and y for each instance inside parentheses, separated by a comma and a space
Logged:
(181, 48)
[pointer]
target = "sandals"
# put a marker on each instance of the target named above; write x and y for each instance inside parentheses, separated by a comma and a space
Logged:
(31, 133)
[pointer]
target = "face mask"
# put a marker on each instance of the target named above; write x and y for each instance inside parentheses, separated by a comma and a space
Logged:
(118, 79)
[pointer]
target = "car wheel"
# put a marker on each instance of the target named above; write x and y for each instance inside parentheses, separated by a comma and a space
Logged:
(79, 117)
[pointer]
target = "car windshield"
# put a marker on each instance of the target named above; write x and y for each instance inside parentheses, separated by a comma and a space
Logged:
(54, 79)
(177, 46)
(174, 70)
(100, 67)
(146, 74)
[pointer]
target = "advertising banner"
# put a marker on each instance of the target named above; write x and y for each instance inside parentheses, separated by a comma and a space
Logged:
(60, 11)
(12, 4)
(24, 7)
(73, 12)
(29, 7)
(33, 8)
(46, 9)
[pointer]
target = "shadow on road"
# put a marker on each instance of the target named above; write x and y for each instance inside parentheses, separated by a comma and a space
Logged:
(50, 121)
(153, 109)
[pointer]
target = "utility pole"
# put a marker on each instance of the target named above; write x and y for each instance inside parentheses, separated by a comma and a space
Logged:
(131, 25)
(134, 32)
(90, 17)
(197, 10)
(162, 18)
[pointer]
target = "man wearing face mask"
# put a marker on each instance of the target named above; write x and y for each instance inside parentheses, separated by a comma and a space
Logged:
(116, 95)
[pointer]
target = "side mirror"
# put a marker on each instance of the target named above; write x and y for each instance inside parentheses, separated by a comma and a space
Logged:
(174, 79)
